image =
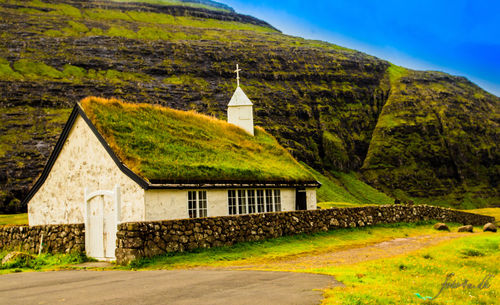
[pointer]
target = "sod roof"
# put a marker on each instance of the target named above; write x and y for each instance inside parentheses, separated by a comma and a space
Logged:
(164, 145)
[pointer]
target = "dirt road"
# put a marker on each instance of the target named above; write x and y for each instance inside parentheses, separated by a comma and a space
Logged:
(386, 249)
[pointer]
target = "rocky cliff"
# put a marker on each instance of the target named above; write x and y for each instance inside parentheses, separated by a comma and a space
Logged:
(424, 136)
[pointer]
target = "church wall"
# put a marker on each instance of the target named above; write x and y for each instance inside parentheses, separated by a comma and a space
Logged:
(82, 162)
(311, 198)
(172, 204)
(165, 204)
(288, 200)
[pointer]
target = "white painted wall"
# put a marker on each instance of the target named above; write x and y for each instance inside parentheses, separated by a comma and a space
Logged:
(311, 198)
(241, 116)
(288, 199)
(172, 204)
(82, 162)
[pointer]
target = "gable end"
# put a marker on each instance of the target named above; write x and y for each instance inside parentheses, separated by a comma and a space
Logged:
(78, 111)
(127, 171)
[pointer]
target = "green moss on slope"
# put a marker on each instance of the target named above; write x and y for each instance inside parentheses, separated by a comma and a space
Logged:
(196, 4)
(436, 140)
(341, 187)
(176, 146)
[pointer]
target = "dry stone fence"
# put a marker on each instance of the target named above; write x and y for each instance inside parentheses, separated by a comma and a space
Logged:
(55, 238)
(147, 239)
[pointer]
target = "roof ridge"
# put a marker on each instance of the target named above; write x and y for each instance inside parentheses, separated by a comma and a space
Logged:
(239, 98)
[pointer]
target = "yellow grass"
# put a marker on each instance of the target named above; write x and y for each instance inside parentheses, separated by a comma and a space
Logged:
(495, 212)
(14, 219)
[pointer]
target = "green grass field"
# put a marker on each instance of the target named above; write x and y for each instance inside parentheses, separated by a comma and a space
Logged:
(42, 262)
(328, 205)
(495, 212)
(14, 219)
(398, 280)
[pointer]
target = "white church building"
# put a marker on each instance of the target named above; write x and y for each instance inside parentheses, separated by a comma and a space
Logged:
(116, 162)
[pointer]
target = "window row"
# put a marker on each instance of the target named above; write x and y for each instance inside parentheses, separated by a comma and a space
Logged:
(253, 201)
(239, 202)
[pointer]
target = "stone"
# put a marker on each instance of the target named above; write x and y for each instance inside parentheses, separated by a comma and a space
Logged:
(467, 228)
(334, 222)
(489, 227)
(441, 227)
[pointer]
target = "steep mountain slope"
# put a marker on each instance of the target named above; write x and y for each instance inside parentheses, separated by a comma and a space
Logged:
(437, 136)
(411, 134)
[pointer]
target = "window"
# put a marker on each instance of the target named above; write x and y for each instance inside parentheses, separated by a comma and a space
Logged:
(242, 204)
(231, 197)
(260, 201)
(277, 200)
(202, 204)
(192, 204)
(253, 201)
(269, 200)
(197, 204)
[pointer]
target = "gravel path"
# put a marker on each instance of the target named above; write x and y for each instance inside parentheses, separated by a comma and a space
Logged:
(380, 250)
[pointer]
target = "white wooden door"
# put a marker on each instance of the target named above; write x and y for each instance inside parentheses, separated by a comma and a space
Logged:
(96, 232)
(109, 235)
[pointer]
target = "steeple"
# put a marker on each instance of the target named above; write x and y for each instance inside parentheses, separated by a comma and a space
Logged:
(240, 108)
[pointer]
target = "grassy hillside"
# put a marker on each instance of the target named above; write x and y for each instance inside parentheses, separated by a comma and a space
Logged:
(346, 188)
(338, 110)
(207, 4)
(437, 141)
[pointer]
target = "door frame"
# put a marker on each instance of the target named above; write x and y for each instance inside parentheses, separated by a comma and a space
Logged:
(300, 199)
(115, 193)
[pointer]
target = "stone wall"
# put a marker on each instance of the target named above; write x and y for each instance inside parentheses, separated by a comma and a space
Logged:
(56, 238)
(147, 239)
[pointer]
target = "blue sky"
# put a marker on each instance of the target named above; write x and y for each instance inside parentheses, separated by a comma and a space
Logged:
(460, 37)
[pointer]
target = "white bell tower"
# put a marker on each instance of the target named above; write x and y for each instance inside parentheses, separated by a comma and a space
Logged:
(240, 108)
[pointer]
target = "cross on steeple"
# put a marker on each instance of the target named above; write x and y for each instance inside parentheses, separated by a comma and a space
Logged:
(237, 71)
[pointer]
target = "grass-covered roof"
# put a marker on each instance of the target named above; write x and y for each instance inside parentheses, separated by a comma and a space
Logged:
(172, 146)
